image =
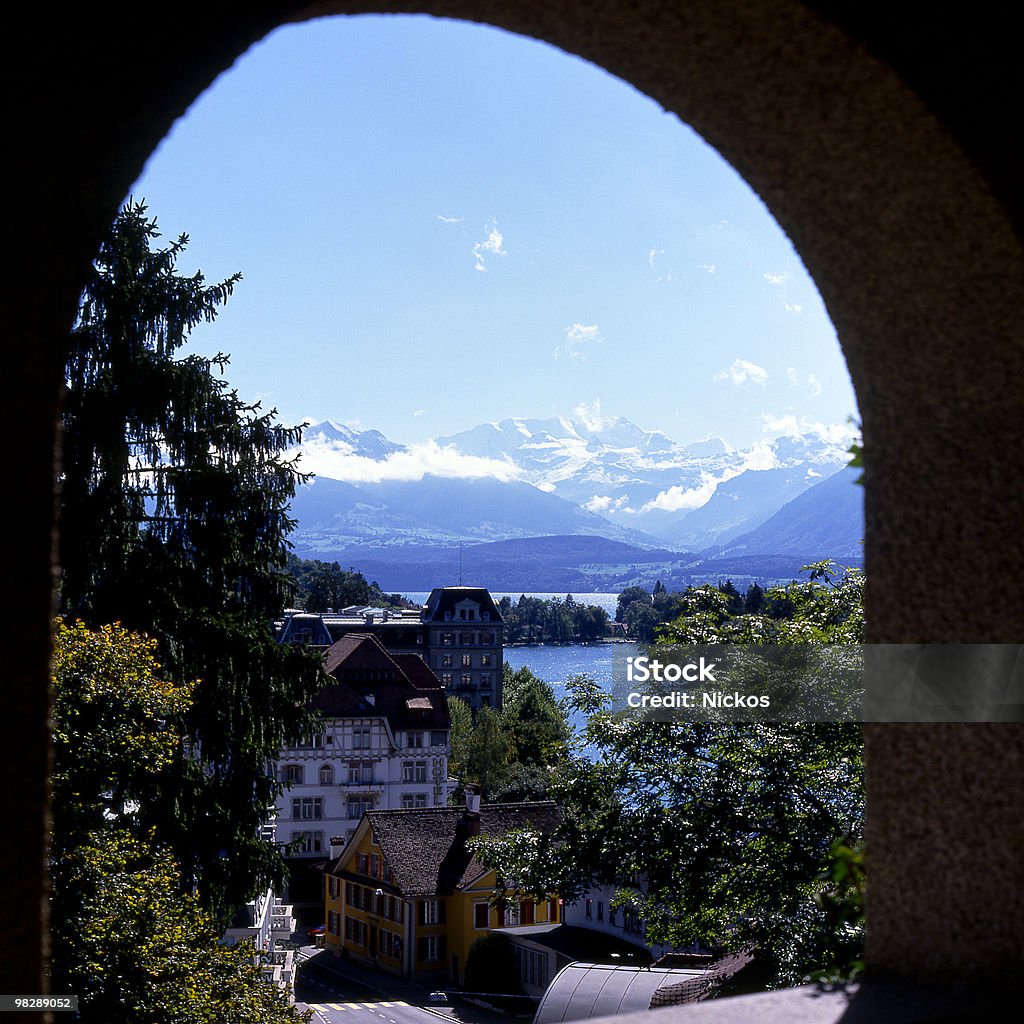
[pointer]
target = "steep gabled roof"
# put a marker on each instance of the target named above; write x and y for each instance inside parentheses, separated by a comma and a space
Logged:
(444, 599)
(368, 682)
(426, 848)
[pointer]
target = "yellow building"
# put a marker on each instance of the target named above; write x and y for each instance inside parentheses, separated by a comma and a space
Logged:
(408, 895)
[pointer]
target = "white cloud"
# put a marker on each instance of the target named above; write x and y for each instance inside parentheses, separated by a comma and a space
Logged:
(652, 256)
(450, 220)
(789, 426)
(813, 384)
(776, 279)
(598, 503)
(492, 245)
(420, 412)
(590, 415)
(791, 375)
(677, 498)
(759, 457)
(742, 371)
(576, 337)
(417, 461)
(709, 267)
(793, 307)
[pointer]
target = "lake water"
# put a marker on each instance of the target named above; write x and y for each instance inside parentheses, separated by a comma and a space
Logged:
(555, 664)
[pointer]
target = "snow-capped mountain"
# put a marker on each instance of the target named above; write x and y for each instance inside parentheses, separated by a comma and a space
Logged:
(535, 477)
(645, 481)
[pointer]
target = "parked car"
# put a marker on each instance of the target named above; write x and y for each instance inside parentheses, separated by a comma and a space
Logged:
(317, 931)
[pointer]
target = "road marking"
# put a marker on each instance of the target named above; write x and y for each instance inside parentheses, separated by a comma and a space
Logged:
(361, 1006)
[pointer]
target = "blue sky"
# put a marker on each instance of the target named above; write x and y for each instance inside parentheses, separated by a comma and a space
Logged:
(440, 224)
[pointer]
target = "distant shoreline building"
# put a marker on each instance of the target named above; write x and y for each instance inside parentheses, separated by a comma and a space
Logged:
(459, 633)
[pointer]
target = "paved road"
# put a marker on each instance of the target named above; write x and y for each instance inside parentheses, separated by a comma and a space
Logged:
(355, 994)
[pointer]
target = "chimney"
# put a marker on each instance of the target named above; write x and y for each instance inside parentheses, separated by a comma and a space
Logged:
(471, 819)
(337, 846)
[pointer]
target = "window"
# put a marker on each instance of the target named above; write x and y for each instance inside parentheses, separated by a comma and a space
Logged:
(307, 842)
(411, 801)
(355, 931)
(360, 771)
(358, 806)
(533, 966)
(467, 678)
(485, 678)
(485, 660)
(526, 912)
(317, 741)
(374, 865)
(467, 661)
(414, 771)
(326, 775)
(292, 775)
(552, 910)
(414, 739)
(590, 909)
(480, 915)
(612, 913)
(361, 737)
(334, 922)
(447, 639)
(511, 916)
(333, 888)
(308, 808)
(430, 948)
(446, 679)
(362, 864)
(466, 640)
(487, 638)
(438, 738)
(446, 661)
(431, 911)
(600, 911)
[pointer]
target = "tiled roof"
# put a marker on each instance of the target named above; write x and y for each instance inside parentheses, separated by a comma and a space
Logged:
(426, 848)
(368, 682)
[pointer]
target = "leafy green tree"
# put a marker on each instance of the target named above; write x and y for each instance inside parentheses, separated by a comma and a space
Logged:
(128, 936)
(533, 719)
(491, 965)
(741, 832)
(510, 752)
(481, 746)
(630, 596)
(174, 518)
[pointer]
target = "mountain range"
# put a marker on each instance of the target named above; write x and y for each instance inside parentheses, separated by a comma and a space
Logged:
(502, 487)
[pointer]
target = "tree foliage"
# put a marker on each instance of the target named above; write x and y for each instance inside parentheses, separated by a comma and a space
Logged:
(128, 936)
(174, 518)
(510, 753)
(534, 619)
(491, 965)
(324, 585)
(719, 834)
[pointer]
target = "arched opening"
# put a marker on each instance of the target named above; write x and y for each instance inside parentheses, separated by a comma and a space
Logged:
(906, 223)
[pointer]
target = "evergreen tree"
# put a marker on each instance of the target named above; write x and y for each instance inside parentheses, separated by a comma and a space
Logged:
(174, 518)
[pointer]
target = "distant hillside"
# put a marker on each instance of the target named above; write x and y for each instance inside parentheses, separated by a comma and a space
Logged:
(826, 521)
(333, 515)
(565, 564)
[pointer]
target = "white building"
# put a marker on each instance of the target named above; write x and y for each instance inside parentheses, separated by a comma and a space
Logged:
(384, 746)
(594, 910)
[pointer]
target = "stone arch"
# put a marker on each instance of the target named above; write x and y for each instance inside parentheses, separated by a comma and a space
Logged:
(893, 186)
